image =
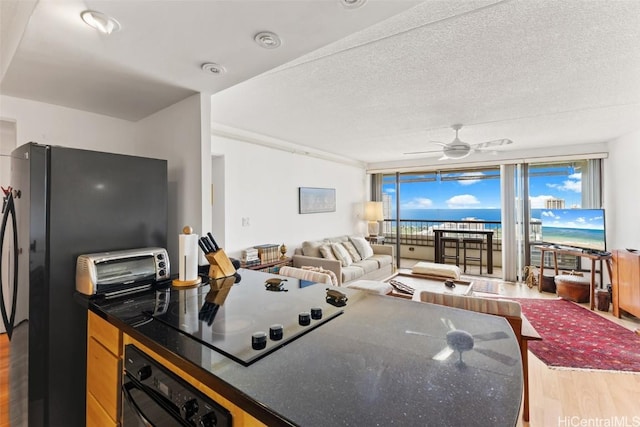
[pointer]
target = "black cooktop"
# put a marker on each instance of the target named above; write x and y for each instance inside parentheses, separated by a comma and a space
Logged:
(244, 321)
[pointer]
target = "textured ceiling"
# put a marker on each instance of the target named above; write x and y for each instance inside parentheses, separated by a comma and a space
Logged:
(366, 84)
(542, 73)
(154, 61)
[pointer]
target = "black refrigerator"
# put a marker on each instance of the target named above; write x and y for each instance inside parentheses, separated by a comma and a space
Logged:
(60, 203)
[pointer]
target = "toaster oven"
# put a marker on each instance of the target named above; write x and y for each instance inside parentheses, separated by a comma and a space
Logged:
(119, 272)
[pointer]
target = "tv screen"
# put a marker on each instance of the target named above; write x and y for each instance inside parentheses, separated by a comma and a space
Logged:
(575, 228)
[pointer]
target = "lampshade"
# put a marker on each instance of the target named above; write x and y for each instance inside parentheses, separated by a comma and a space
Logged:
(373, 211)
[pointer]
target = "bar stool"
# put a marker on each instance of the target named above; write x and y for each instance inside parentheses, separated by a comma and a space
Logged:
(471, 241)
(445, 256)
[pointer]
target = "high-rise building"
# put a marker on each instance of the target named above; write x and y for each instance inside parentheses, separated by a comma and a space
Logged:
(554, 204)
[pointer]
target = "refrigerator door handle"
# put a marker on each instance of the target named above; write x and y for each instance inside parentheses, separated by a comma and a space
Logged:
(9, 318)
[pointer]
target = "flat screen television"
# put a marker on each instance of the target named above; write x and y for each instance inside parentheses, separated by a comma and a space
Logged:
(574, 228)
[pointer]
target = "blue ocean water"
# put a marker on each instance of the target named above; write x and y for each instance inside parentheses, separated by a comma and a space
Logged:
(578, 237)
(452, 214)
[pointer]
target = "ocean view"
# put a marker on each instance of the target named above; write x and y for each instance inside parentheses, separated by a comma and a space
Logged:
(451, 214)
(592, 238)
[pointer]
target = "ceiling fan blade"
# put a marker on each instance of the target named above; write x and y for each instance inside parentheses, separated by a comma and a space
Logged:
(443, 354)
(429, 151)
(494, 143)
(499, 357)
(423, 152)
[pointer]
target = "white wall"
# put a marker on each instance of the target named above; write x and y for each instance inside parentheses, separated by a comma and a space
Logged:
(622, 201)
(55, 125)
(261, 185)
(174, 134)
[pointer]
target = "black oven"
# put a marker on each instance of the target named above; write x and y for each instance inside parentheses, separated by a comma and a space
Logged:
(154, 396)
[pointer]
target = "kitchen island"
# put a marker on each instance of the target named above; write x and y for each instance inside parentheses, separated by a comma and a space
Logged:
(377, 360)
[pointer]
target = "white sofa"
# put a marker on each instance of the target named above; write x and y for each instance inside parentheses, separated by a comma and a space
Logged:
(376, 262)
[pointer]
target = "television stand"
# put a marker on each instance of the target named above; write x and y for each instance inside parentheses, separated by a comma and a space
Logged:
(601, 256)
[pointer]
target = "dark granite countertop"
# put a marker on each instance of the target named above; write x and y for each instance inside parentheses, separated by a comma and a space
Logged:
(372, 365)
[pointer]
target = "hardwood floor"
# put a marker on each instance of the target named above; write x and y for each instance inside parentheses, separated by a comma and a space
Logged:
(4, 380)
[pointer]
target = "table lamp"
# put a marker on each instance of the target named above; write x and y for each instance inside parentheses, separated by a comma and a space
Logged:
(373, 214)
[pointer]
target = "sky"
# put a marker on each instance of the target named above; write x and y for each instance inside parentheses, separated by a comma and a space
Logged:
(485, 194)
(571, 218)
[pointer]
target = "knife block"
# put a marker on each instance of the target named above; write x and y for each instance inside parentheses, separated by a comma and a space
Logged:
(220, 265)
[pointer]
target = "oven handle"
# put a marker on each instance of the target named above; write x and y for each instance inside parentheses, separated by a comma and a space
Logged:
(133, 405)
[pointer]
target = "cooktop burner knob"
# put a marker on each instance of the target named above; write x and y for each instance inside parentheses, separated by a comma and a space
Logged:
(276, 332)
(316, 313)
(189, 409)
(304, 318)
(144, 372)
(258, 340)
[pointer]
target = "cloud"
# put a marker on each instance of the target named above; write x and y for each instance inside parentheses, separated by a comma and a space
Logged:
(574, 183)
(418, 203)
(390, 190)
(538, 202)
(549, 214)
(469, 181)
(576, 176)
(462, 201)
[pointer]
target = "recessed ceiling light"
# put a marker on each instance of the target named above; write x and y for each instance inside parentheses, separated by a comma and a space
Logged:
(101, 22)
(352, 4)
(213, 68)
(267, 39)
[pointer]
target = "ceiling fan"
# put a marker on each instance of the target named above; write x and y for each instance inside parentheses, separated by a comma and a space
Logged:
(458, 149)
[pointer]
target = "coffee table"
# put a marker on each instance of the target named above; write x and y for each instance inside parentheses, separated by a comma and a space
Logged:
(422, 282)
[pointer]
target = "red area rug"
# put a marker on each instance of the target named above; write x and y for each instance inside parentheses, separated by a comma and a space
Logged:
(574, 337)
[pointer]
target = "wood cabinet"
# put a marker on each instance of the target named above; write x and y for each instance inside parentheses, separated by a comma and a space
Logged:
(104, 372)
(626, 282)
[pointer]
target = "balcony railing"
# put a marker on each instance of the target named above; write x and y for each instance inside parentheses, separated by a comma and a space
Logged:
(419, 232)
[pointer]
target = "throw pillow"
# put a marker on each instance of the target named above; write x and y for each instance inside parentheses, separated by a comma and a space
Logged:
(341, 253)
(353, 252)
(363, 247)
(334, 278)
(312, 248)
(326, 252)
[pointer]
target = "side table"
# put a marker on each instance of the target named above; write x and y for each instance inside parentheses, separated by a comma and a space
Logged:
(378, 240)
(269, 267)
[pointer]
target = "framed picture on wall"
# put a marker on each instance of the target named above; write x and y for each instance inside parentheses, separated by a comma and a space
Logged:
(316, 200)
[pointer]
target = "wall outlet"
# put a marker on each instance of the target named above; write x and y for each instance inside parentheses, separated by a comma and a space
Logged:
(245, 222)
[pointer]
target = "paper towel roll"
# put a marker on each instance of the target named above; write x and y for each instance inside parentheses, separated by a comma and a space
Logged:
(188, 251)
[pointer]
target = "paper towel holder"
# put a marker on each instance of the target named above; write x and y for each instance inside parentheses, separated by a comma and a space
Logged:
(177, 282)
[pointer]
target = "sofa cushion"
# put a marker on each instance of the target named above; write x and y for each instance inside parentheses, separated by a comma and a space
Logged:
(299, 273)
(353, 252)
(338, 239)
(382, 260)
(341, 253)
(334, 278)
(368, 265)
(433, 269)
(363, 247)
(312, 248)
(326, 252)
(495, 306)
(371, 286)
(351, 273)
